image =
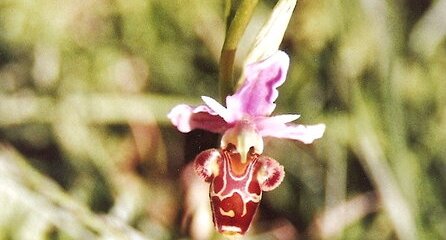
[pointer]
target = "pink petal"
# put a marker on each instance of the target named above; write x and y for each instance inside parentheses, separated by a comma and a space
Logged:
(262, 122)
(187, 118)
(305, 134)
(218, 108)
(257, 94)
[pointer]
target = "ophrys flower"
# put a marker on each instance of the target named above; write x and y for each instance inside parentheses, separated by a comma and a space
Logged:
(238, 173)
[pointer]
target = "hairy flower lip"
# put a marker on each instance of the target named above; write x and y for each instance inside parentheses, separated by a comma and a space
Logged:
(236, 191)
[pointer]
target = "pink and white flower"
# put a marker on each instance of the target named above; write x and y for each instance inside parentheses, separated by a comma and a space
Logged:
(238, 173)
(246, 119)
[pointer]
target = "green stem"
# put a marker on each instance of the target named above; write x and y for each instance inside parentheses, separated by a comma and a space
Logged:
(233, 35)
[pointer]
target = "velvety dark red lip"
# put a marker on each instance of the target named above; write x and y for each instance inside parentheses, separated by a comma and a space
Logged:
(236, 188)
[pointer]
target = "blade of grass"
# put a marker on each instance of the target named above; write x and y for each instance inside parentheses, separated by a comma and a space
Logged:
(42, 195)
(366, 145)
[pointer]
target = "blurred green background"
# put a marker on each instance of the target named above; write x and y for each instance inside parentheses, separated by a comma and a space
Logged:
(88, 153)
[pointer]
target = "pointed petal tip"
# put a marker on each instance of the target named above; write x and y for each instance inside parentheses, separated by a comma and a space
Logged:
(206, 98)
(313, 132)
(217, 108)
(282, 56)
(284, 118)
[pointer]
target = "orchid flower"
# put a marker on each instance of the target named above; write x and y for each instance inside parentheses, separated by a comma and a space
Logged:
(238, 172)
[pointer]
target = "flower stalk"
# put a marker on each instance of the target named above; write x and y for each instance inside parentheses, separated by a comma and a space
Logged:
(234, 33)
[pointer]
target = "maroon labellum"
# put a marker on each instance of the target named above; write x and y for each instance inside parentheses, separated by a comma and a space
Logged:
(236, 187)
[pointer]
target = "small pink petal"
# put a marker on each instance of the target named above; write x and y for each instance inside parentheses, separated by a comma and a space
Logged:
(218, 108)
(259, 91)
(187, 118)
(305, 134)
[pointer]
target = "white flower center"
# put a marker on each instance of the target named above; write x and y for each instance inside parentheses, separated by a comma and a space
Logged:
(244, 136)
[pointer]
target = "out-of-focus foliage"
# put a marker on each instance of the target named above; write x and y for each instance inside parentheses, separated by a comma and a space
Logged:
(87, 152)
